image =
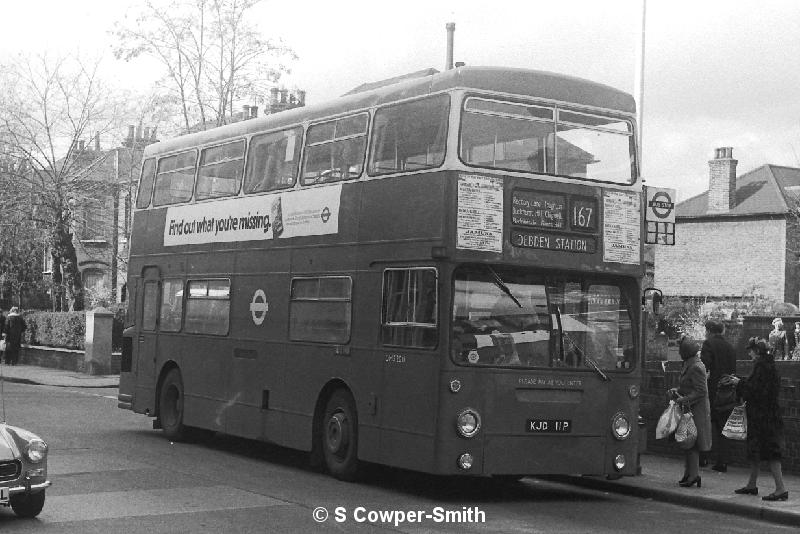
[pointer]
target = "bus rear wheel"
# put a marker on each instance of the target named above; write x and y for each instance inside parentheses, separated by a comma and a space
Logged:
(339, 435)
(170, 407)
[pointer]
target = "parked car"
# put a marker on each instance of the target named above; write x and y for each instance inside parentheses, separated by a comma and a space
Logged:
(23, 470)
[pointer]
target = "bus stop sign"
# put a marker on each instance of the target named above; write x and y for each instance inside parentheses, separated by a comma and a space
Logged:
(660, 216)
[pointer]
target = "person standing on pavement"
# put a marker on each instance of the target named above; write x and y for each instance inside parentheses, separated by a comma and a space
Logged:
(777, 339)
(15, 326)
(764, 424)
(692, 394)
(719, 357)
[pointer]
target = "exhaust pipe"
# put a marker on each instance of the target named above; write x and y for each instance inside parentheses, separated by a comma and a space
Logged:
(451, 29)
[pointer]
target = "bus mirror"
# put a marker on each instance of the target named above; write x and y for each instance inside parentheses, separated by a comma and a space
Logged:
(652, 299)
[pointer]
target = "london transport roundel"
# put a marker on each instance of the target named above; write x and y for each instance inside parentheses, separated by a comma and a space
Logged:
(259, 307)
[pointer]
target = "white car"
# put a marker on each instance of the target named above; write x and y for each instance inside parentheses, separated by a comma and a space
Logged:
(23, 471)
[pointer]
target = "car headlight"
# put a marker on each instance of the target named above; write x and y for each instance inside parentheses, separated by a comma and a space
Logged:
(468, 422)
(36, 451)
(620, 426)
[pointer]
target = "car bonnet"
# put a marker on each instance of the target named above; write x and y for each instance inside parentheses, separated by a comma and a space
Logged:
(9, 442)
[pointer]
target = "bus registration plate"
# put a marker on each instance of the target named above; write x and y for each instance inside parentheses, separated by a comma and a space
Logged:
(558, 426)
(3, 495)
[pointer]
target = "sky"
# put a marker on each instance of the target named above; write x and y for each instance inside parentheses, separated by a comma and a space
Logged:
(717, 72)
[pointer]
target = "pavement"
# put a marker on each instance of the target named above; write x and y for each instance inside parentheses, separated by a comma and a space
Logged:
(658, 481)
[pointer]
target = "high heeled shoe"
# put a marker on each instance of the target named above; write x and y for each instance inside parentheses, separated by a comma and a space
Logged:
(691, 482)
(776, 496)
(746, 491)
(684, 479)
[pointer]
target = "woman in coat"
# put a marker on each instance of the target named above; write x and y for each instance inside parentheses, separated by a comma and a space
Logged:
(692, 394)
(15, 326)
(764, 424)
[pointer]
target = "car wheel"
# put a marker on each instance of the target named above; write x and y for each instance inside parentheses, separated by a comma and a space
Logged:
(170, 407)
(339, 434)
(27, 504)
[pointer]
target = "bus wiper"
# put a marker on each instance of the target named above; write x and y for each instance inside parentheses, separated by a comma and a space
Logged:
(592, 362)
(503, 287)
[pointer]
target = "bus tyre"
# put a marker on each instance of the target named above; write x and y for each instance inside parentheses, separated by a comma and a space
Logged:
(339, 434)
(27, 504)
(170, 407)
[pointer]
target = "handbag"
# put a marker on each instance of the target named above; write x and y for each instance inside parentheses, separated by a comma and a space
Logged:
(736, 425)
(3, 345)
(725, 399)
(668, 421)
(686, 433)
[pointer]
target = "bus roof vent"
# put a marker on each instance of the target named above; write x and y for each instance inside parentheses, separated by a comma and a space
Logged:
(391, 81)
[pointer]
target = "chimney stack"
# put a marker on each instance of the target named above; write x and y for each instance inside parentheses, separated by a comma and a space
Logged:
(253, 112)
(131, 128)
(722, 180)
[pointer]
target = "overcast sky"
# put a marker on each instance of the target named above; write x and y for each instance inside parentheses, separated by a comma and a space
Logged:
(718, 73)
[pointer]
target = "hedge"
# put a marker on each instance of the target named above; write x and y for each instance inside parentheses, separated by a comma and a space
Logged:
(67, 330)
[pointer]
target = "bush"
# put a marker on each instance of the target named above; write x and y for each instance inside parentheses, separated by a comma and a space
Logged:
(56, 329)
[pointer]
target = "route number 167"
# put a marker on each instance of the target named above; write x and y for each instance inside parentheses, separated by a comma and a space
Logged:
(582, 216)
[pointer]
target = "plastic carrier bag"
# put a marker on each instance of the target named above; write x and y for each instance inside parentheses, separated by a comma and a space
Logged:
(736, 425)
(668, 421)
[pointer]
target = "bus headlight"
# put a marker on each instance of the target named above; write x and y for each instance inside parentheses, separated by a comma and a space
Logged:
(465, 461)
(620, 426)
(468, 422)
(36, 451)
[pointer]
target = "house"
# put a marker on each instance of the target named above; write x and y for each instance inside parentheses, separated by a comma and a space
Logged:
(738, 239)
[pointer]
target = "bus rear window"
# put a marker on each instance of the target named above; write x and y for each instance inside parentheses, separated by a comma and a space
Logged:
(175, 178)
(220, 171)
(146, 183)
(410, 136)
(320, 309)
(272, 161)
(335, 150)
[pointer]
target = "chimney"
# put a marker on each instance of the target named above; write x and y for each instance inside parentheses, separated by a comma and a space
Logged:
(139, 132)
(245, 112)
(284, 93)
(273, 96)
(153, 138)
(253, 112)
(301, 98)
(722, 180)
(131, 128)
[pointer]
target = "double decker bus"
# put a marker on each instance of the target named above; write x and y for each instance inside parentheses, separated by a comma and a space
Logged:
(440, 274)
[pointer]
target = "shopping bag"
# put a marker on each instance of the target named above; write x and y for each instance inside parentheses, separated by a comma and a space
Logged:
(736, 425)
(668, 421)
(2, 345)
(686, 433)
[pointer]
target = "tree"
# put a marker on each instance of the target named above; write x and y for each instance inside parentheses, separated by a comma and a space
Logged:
(212, 55)
(47, 107)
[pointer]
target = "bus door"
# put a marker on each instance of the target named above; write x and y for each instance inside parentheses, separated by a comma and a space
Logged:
(146, 343)
(409, 335)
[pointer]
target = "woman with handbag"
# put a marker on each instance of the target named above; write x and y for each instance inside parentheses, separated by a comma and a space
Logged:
(692, 394)
(764, 424)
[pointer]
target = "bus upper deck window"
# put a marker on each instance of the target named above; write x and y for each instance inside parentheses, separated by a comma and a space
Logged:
(220, 171)
(410, 136)
(175, 178)
(335, 150)
(146, 183)
(272, 161)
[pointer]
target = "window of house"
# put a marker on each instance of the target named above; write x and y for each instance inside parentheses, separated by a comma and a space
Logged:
(335, 150)
(208, 307)
(320, 309)
(171, 305)
(146, 183)
(175, 178)
(410, 136)
(220, 173)
(150, 306)
(273, 160)
(409, 308)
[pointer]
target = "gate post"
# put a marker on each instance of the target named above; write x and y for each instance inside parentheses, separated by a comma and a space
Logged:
(97, 360)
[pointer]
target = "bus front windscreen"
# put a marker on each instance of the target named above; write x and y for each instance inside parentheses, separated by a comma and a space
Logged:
(512, 318)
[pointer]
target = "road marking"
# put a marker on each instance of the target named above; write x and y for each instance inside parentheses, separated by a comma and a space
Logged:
(138, 503)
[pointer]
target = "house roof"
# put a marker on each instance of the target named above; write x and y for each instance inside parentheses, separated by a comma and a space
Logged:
(767, 190)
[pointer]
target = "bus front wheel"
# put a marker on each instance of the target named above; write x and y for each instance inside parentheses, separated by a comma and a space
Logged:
(170, 411)
(339, 434)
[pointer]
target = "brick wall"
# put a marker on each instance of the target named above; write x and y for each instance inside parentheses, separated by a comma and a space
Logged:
(660, 376)
(724, 258)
